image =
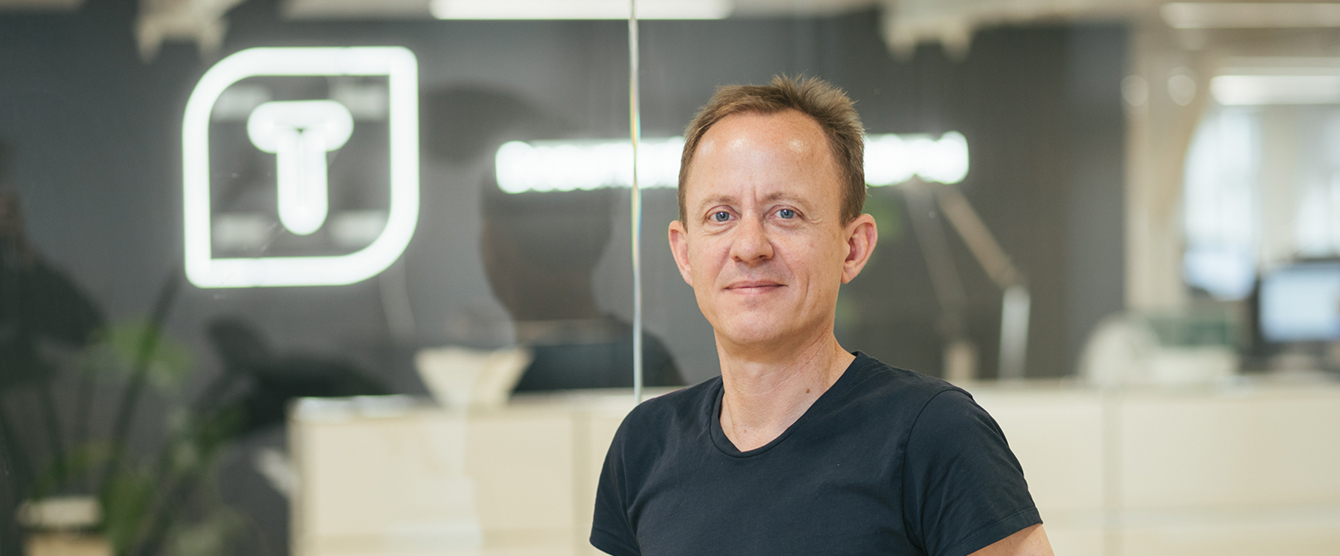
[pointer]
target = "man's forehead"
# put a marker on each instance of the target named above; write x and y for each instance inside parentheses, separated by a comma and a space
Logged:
(751, 130)
(743, 146)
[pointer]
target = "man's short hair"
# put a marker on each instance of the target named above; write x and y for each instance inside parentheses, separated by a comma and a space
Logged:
(828, 105)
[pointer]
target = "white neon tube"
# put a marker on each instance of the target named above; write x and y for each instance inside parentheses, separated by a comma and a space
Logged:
(401, 69)
(582, 165)
(300, 133)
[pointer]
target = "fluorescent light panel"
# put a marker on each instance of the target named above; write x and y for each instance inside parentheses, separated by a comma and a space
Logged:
(1235, 15)
(583, 165)
(1255, 90)
(579, 9)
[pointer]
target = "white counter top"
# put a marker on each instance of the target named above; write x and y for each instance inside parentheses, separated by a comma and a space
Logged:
(1243, 467)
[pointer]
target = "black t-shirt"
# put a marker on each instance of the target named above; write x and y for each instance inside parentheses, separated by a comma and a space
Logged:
(887, 462)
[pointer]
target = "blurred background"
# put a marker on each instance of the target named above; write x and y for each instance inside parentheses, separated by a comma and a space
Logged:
(262, 293)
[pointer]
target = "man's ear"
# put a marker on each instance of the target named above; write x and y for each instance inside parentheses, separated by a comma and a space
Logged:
(861, 235)
(679, 246)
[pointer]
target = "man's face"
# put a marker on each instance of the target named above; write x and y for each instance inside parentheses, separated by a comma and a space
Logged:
(764, 247)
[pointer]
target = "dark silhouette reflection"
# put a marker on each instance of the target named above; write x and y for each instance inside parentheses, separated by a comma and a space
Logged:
(257, 382)
(243, 408)
(38, 304)
(539, 251)
(42, 315)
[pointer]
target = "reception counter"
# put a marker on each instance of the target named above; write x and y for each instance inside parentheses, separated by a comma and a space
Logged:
(1245, 467)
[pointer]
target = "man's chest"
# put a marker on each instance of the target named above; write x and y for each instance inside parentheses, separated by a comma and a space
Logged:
(806, 500)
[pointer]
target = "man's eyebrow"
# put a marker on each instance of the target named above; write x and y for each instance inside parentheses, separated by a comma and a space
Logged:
(730, 200)
(782, 196)
(717, 200)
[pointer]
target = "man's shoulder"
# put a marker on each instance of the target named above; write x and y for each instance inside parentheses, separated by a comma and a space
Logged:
(688, 408)
(874, 381)
(929, 410)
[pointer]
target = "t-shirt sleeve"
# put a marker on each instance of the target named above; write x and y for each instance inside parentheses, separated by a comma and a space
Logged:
(611, 530)
(963, 488)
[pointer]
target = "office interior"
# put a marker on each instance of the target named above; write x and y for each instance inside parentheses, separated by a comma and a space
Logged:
(1115, 222)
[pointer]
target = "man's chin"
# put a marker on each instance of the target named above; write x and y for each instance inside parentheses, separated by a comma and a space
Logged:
(750, 335)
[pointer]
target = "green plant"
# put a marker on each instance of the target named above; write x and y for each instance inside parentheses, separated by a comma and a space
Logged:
(141, 500)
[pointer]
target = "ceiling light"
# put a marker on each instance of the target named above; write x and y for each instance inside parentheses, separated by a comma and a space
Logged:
(579, 9)
(1252, 90)
(1224, 15)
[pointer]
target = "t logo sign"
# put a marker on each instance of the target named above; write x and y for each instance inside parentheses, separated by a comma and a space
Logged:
(300, 134)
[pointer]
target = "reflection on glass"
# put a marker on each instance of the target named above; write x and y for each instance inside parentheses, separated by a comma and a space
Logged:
(540, 250)
(45, 317)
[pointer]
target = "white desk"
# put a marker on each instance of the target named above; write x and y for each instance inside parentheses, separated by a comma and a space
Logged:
(1236, 470)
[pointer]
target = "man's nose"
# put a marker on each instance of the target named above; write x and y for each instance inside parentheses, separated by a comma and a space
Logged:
(751, 243)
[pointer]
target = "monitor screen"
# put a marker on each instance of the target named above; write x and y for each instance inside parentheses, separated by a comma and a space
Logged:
(1301, 303)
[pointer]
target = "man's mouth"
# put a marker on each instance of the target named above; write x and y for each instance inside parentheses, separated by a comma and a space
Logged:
(753, 286)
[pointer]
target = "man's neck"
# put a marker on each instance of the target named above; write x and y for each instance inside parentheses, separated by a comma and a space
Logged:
(766, 392)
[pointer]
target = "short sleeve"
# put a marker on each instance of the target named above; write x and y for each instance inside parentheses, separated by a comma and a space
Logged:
(611, 530)
(963, 488)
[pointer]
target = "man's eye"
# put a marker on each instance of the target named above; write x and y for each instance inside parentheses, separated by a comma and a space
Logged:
(786, 213)
(721, 216)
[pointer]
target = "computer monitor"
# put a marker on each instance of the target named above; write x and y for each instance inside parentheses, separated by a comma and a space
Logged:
(1300, 303)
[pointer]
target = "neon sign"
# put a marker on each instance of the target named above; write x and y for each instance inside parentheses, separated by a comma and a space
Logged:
(300, 133)
(567, 165)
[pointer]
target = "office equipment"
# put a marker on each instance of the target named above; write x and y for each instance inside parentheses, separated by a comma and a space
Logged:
(1300, 303)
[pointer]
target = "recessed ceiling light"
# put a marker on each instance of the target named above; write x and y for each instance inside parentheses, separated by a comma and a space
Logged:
(1235, 15)
(579, 9)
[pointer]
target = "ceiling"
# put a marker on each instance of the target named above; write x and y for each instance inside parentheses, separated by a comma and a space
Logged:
(905, 23)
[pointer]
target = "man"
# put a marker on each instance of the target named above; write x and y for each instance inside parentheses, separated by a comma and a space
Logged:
(800, 447)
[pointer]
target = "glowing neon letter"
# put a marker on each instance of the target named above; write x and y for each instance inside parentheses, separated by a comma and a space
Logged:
(300, 133)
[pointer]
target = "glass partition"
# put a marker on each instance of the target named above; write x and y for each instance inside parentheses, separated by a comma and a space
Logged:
(208, 216)
(994, 168)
